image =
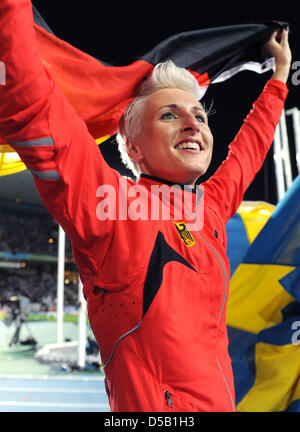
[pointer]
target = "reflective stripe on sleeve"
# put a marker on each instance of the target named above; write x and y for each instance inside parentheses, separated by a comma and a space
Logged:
(32, 143)
(46, 175)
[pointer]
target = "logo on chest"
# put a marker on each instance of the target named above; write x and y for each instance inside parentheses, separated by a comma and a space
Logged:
(184, 233)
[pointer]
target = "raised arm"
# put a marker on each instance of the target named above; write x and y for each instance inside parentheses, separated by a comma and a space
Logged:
(249, 149)
(28, 85)
(40, 124)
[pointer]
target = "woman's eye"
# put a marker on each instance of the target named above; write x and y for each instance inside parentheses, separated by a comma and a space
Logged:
(168, 115)
(200, 118)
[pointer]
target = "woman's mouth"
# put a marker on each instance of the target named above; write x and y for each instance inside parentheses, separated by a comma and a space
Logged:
(190, 146)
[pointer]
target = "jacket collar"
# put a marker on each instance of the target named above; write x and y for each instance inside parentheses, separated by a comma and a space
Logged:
(145, 178)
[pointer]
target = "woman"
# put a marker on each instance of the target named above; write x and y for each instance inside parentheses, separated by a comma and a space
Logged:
(156, 287)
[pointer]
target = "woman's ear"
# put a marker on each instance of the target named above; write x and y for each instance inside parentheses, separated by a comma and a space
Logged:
(134, 151)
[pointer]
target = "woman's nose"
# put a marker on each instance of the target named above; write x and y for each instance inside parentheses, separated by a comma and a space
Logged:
(191, 124)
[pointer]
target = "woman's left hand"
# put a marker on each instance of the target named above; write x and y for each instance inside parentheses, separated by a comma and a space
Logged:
(281, 51)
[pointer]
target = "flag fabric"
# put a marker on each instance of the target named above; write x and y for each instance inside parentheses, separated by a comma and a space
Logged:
(99, 92)
(263, 314)
(10, 162)
(243, 228)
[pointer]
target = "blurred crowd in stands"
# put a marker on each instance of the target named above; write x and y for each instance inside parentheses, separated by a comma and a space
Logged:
(29, 230)
(38, 287)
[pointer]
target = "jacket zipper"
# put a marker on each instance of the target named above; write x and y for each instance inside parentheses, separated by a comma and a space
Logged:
(221, 312)
(169, 399)
(224, 275)
(226, 383)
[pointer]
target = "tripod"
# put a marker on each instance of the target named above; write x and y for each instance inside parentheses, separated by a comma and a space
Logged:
(16, 336)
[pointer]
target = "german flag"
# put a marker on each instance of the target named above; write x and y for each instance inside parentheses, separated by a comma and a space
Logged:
(99, 92)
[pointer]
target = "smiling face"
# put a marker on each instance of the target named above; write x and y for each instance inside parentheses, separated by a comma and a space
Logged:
(175, 142)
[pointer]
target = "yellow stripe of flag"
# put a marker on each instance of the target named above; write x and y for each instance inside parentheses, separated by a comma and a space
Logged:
(10, 162)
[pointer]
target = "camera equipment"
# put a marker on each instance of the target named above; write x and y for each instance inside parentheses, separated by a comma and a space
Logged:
(18, 312)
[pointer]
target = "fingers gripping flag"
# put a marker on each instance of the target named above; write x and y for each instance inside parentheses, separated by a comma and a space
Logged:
(99, 92)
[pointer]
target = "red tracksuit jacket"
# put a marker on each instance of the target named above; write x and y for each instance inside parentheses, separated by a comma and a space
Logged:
(156, 294)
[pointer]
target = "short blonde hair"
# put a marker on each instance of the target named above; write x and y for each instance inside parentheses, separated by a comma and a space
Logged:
(164, 75)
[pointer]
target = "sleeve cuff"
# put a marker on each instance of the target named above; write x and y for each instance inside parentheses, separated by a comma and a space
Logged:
(277, 88)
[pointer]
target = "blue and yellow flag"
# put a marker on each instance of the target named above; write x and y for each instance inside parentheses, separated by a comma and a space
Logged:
(263, 315)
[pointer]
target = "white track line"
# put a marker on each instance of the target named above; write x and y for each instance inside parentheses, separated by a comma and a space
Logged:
(53, 377)
(49, 390)
(53, 404)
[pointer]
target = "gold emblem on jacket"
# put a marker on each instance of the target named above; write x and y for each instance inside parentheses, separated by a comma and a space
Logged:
(184, 233)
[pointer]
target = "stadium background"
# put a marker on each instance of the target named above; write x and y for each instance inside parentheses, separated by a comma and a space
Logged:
(118, 32)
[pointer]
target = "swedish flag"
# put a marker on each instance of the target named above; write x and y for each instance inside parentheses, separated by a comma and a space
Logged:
(263, 315)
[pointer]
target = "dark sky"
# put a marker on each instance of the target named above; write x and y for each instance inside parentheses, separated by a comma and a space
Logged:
(120, 31)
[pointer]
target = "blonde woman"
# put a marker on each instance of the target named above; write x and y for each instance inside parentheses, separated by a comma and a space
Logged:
(156, 286)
